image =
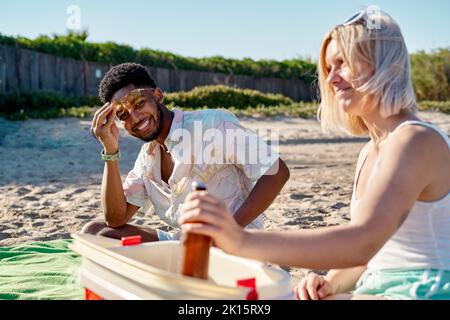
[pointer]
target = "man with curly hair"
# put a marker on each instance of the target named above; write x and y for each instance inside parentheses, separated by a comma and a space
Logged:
(162, 176)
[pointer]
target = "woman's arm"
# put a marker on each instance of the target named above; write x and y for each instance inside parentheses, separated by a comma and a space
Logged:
(406, 168)
(324, 248)
(344, 280)
(315, 287)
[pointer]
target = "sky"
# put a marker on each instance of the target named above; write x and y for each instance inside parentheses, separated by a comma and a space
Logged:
(259, 29)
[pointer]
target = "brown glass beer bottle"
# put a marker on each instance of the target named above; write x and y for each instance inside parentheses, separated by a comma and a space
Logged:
(195, 250)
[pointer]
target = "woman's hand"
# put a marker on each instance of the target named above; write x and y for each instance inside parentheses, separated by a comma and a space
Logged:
(313, 287)
(204, 214)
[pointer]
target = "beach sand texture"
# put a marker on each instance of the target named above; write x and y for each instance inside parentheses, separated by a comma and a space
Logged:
(51, 173)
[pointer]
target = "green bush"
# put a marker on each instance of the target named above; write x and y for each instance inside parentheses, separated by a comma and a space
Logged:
(430, 73)
(42, 104)
(242, 102)
(220, 96)
(76, 112)
(23, 105)
(441, 106)
(74, 45)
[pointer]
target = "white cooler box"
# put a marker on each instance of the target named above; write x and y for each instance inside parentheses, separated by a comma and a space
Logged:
(149, 271)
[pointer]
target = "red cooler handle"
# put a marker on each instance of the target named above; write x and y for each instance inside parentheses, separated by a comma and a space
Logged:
(249, 283)
(131, 241)
(89, 295)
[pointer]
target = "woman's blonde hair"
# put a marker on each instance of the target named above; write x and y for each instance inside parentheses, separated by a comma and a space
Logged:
(380, 46)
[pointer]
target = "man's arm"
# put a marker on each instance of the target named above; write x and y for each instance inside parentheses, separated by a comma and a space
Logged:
(117, 211)
(263, 193)
(115, 207)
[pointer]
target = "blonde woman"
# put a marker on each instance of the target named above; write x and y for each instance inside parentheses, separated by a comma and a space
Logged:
(397, 245)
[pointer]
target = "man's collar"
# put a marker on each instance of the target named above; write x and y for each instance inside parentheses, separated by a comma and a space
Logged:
(177, 123)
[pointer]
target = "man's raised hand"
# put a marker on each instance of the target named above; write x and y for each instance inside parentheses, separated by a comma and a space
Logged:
(104, 128)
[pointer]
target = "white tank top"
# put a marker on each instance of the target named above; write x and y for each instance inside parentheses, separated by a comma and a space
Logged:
(423, 240)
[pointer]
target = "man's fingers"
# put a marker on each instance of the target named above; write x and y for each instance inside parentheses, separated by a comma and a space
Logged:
(96, 121)
(103, 107)
(111, 117)
(102, 115)
(100, 122)
(96, 114)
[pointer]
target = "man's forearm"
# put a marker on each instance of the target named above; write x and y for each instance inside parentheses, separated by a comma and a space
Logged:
(262, 195)
(113, 198)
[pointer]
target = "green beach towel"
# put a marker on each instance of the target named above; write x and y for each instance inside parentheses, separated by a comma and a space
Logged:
(40, 270)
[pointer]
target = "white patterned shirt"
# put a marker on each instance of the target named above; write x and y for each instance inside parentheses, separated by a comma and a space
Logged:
(232, 180)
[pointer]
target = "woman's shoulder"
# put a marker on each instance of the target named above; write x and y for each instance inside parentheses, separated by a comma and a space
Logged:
(419, 134)
(422, 144)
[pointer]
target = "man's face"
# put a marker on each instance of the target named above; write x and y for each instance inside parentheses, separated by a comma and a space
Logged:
(139, 112)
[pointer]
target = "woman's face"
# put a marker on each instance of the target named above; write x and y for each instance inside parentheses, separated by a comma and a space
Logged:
(340, 79)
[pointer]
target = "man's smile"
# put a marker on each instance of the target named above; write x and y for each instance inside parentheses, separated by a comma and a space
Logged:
(144, 125)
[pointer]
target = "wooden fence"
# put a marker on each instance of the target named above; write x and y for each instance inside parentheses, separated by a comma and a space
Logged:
(27, 70)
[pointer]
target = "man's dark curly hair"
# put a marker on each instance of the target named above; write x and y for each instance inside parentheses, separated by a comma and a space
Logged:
(121, 76)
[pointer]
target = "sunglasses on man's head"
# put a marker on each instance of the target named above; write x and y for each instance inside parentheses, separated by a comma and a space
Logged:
(134, 99)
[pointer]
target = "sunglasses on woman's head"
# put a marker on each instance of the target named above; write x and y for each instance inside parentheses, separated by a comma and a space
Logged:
(354, 18)
(367, 17)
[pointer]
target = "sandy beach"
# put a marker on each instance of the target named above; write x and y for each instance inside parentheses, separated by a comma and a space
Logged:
(51, 173)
